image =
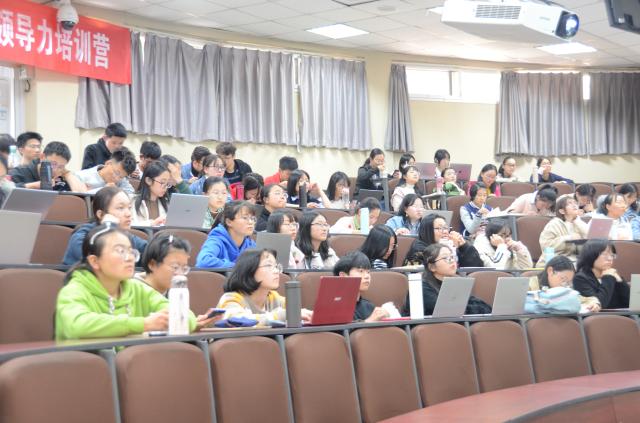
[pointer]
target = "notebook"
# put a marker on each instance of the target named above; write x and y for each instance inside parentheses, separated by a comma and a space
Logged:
(30, 200)
(281, 243)
(511, 293)
(599, 228)
(453, 297)
(22, 229)
(187, 211)
(463, 171)
(336, 300)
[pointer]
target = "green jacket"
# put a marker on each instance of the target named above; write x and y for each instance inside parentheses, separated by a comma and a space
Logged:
(82, 310)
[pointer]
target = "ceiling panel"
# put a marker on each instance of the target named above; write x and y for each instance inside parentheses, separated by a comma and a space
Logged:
(197, 7)
(344, 14)
(269, 11)
(233, 17)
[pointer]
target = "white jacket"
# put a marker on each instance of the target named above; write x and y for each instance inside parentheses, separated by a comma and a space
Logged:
(142, 218)
(502, 258)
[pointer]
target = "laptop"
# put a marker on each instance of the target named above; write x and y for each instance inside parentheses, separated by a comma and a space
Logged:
(427, 170)
(336, 300)
(447, 214)
(634, 295)
(511, 293)
(463, 171)
(453, 297)
(22, 229)
(281, 243)
(30, 201)
(375, 193)
(599, 228)
(187, 210)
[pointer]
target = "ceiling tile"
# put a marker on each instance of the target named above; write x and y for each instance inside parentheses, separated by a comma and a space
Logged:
(269, 11)
(161, 13)
(406, 34)
(624, 38)
(369, 39)
(202, 22)
(310, 6)
(377, 24)
(235, 3)
(386, 7)
(574, 4)
(592, 13)
(344, 14)
(301, 36)
(304, 22)
(197, 7)
(264, 28)
(233, 17)
(336, 43)
(426, 4)
(119, 5)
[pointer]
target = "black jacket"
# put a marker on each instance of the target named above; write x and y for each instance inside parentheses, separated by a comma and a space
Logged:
(363, 309)
(430, 291)
(611, 293)
(26, 174)
(241, 169)
(467, 254)
(368, 178)
(95, 154)
(263, 218)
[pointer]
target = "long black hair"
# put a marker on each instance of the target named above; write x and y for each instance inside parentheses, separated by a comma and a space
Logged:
(590, 252)
(151, 171)
(335, 179)
(375, 152)
(274, 223)
(376, 244)
(629, 189)
(403, 180)
(292, 183)
(501, 168)
(558, 264)
(426, 233)
(303, 239)
(408, 201)
(404, 159)
(242, 277)
(160, 246)
(486, 168)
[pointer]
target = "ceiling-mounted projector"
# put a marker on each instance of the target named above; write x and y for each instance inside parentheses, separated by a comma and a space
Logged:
(512, 20)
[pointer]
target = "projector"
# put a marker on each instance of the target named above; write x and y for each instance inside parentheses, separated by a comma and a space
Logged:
(512, 20)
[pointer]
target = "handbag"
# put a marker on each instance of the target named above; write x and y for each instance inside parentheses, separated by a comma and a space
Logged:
(553, 301)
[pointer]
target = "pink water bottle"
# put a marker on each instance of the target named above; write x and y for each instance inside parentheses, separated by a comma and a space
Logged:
(439, 183)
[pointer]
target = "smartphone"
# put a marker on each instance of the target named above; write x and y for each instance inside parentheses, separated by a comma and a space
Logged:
(215, 312)
(158, 333)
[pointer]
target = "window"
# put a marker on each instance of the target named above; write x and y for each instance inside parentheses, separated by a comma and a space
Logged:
(7, 108)
(471, 86)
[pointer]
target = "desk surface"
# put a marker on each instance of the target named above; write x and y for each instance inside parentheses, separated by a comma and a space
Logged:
(531, 400)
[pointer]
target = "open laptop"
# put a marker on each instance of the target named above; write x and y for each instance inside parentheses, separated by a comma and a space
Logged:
(511, 293)
(447, 214)
(21, 228)
(187, 211)
(599, 228)
(634, 295)
(30, 201)
(281, 243)
(463, 171)
(336, 300)
(453, 297)
(427, 170)
(375, 193)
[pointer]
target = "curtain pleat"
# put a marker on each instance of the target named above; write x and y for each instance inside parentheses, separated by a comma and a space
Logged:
(399, 131)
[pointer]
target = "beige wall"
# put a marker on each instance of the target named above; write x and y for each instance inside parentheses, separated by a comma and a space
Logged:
(466, 130)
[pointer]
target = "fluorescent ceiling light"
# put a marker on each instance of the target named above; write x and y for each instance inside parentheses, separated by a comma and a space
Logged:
(337, 31)
(567, 48)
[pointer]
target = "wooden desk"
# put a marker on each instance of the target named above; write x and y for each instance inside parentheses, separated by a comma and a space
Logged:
(603, 397)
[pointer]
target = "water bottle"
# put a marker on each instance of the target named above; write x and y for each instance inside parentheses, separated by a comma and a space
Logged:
(416, 303)
(302, 195)
(549, 253)
(179, 306)
(345, 198)
(293, 304)
(14, 158)
(439, 183)
(534, 175)
(364, 221)
(46, 175)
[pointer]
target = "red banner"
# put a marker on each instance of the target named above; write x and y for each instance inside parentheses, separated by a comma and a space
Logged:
(31, 35)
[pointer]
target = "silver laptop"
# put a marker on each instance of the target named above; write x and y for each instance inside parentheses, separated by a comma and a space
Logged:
(281, 243)
(634, 296)
(453, 297)
(187, 210)
(447, 214)
(22, 229)
(30, 201)
(427, 170)
(599, 228)
(511, 293)
(463, 171)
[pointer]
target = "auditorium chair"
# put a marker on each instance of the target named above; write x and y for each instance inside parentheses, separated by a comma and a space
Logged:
(529, 230)
(453, 204)
(205, 290)
(563, 188)
(516, 189)
(343, 244)
(602, 188)
(332, 215)
(68, 208)
(387, 286)
(384, 216)
(484, 286)
(613, 342)
(48, 236)
(402, 249)
(309, 285)
(627, 260)
(196, 239)
(503, 202)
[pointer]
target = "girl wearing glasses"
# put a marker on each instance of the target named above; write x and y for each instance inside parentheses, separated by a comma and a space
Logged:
(315, 196)
(439, 263)
(149, 207)
(566, 226)
(434, 229)
(285, 222)
(217, 189)
(406, 185)
(597, 277)
(250, 290)
(351, 224)
(212, 165)
(100, 298)
(497, 249)
(230, 238)
(407, 220)
(312, 241)
(274, 197)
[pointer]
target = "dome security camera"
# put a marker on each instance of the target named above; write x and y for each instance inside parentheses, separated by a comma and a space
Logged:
(67, 15)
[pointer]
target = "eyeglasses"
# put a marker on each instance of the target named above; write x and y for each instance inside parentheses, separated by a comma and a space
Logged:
(125, 253)
(321, 225)
(293, 225)
(179, 270)
(34, 146)
(249, 219)
(447, 259)
(275, 267)
(608, 256)
(216, 167)
(162, 184)
(277, 194)
(218, 194)
(443, 229)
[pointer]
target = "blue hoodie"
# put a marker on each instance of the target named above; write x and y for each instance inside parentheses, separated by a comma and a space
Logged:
(219, 250)
(74, 248)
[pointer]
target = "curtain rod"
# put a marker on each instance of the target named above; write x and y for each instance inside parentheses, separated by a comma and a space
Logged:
(540, 67)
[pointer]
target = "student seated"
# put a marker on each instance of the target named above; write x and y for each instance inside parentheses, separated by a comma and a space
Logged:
(58, 155)
(286, 165)
(100, 152)
(274, 197)
(487, 176)
(434, 229)
(498, 250)
(442, 159)
(613, 206)
(356, 264)
(312, 241)
(149, 152)
(212, 165)
(539, 203)
(100, 297)
(114, 172)
(545, 174)
(234, 169)
(560, 272)
(407, 159)
(110, 204)
(29, 145)
(315, 196)
(507, 170)
(597, 277)
(6, 141)
(630, 194)
(230, 238)
(149, 206)
(250, 290)
(337, 189)
(252, 184)
(407, 219)
(351, 224)
(283, 221)
(449, 182)
(6, 186)
(178, 184)
(167, 256)
(440, 262)
(370, 174)
(474, 213)
(380, 247)
(585, 195)
(406, 185)
(217, 189)
(190, 172)
(566, 226)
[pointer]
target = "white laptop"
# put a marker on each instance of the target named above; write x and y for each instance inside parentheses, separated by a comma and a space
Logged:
(30, 201)
(599, 228)
(281, 243)
(463, 171)
(22, 229)
(453, 297)
(634, 296)
(187, 210)
(511, 293)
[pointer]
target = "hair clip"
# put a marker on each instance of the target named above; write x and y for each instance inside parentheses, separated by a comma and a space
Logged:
(100, 233)
(170, 238)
